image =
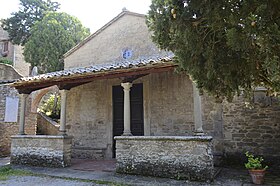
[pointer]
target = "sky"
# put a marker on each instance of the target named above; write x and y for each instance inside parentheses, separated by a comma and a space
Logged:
(92, 13)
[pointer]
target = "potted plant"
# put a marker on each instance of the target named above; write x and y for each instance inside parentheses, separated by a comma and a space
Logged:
(256, 168)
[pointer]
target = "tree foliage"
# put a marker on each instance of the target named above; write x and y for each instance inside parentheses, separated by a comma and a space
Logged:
(19, 24)
(51, 106)
(51, 38)
(225, 45)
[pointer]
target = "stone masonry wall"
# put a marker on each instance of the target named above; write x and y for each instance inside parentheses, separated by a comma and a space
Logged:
(88, 120)
(171, 104)
(15, 54)
(7, 129)
(127, 32)
(46, 151)
(46, 125)
(237, 127)
(254, 128)
(19, 63)
(167, 106)
(7, 72)
(173, 157)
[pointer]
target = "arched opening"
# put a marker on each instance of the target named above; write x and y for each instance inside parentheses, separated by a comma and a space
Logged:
(38, 95)
(45, 124)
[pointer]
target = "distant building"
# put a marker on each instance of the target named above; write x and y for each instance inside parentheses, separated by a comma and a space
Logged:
(13, 53)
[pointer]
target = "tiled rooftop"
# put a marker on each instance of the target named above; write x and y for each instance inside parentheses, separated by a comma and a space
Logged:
(99, 69)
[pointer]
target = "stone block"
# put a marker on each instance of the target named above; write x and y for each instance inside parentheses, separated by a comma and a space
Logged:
(188, 157)
(46, 151)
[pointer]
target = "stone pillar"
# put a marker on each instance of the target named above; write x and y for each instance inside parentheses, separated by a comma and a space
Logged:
(126, 118)
(63, 97)
(22, 113)
(197, 111)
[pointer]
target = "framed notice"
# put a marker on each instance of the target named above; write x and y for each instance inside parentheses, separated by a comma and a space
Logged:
(11, 109)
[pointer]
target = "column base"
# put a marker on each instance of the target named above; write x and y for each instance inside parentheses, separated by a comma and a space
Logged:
(199, 132)
(62, 133)
(21, 134)
(127, 134)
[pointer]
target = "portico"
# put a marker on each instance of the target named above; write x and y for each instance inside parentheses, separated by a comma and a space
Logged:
(159, 105)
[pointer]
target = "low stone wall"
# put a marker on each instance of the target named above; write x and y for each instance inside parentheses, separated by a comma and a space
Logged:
(46, 126)
(188, 157)
(42, 150)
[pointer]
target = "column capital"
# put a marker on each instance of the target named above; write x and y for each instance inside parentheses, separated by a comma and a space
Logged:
(23, 95)
(126, 86)
(63, 91)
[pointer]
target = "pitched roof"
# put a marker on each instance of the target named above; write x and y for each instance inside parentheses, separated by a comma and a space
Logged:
(76, 76)
(79, 45)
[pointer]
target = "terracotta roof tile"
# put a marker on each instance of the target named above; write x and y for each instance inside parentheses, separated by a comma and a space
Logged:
(99, 69)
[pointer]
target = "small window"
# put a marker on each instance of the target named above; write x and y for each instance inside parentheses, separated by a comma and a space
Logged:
(127, 54)
(6, 46)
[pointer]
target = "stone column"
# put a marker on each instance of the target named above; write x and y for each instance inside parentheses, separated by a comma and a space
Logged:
(197, 111)
(126, 118)
(63, 97)
(22, 113)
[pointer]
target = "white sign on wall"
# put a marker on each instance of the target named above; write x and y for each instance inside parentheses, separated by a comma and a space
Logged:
(11, 109)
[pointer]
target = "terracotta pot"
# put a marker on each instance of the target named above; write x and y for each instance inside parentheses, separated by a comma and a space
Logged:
(257, 176)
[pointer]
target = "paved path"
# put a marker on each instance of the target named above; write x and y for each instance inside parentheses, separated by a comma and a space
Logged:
(41, 181)
(52, 176)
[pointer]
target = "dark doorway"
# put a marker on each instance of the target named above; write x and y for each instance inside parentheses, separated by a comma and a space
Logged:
(136, 113)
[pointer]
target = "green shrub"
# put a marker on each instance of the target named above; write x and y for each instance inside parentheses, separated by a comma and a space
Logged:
(254, 162)
(50, 108)
(6, 61)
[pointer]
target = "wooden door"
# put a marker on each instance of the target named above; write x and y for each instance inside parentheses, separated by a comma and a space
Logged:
(136, 111)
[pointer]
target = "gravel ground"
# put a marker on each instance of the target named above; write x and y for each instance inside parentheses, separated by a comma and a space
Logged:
(42, 181)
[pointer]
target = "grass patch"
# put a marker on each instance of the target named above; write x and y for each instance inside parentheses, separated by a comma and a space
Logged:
(7, 171)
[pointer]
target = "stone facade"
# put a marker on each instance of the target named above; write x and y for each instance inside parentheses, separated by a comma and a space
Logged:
(163, 93)
(173, 157)
(7, 129)
(14, 53)
(7, 72)
(168, 101)
(254, 128)
(47, 151)
(108, 44)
